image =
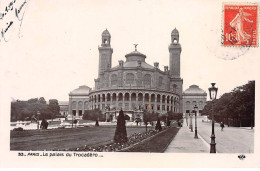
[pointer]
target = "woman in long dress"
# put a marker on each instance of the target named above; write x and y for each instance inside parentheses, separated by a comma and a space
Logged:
(238, 23)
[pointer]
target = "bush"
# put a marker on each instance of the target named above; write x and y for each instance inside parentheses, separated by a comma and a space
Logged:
(44, 124)
(127, 117)
(120, 134)
(93, 115)
(18, 129)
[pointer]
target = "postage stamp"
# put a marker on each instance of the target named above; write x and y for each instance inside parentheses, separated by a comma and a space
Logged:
(240, 25)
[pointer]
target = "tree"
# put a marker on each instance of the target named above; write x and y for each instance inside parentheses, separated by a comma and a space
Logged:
(120, 133)
(17, 110)
(93, 115)
(25, 110)
(236, 108)
(42, 100)
(54, 107)
(146, 118)
(158, 125)
(33, 100)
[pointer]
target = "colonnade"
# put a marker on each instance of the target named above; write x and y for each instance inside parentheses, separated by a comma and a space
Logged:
(158, 102)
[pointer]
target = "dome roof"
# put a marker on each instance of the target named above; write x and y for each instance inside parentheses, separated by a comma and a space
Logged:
(175, 32)
(194, 90)
(82, 90)
(135, 53)
(135, 56)
(105, 33)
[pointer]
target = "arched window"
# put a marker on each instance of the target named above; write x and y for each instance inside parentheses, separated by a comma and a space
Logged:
(113, 79)
(188, 105)
(200, 104)
(74, 105)
(130, 78)
(80, 105)
(147, 79)
(85, 105)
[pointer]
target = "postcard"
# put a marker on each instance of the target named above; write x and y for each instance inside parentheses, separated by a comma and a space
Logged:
(129, 84)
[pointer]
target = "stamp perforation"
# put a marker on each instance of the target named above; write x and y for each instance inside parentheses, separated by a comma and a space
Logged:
(255, 35)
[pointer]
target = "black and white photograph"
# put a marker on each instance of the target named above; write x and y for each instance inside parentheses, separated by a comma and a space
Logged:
(129, 84)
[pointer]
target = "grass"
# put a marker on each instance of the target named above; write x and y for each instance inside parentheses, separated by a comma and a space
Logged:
(58, 139)
(156, 144)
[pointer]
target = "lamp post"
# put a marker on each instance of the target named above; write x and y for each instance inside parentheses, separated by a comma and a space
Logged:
(213, 94)
(186, 115)
(195, 111)
(191, 129)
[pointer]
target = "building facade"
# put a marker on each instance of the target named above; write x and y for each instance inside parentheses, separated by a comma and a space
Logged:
(194, 96)
(64, 108)
(79, 101)
(134, 85)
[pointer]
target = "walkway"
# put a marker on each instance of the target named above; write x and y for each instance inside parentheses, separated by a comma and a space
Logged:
(231, 140)
(184, 142)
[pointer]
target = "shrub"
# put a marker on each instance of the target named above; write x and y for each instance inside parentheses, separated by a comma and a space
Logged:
(120, 134)
(18, 129)
(127, 117)
(44, 124)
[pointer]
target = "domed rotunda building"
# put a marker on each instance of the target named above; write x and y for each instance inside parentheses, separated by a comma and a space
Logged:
(194, 96)
(132, 85)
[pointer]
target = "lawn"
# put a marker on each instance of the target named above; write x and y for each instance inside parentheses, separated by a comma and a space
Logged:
(58, 139)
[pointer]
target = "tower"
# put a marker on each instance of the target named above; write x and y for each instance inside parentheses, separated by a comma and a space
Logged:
(105, 53)
(175, 51)
(176, 81)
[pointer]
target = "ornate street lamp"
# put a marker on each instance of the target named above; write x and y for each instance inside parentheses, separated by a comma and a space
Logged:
(195, 111)
(213, 94)
(191, 129)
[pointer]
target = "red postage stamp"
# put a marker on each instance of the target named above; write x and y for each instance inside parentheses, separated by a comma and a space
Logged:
(240, 25)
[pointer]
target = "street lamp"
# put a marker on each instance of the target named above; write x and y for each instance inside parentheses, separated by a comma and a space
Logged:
(191, 129)
(213, 94)
(186, 115)
(195, 111)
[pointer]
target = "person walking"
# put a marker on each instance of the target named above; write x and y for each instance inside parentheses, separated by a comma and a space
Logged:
(222, 126)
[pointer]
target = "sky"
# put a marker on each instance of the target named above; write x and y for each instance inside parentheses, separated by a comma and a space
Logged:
(55, 48)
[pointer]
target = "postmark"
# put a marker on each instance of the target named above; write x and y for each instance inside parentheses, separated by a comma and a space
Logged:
(234, 41)
(240, 25)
